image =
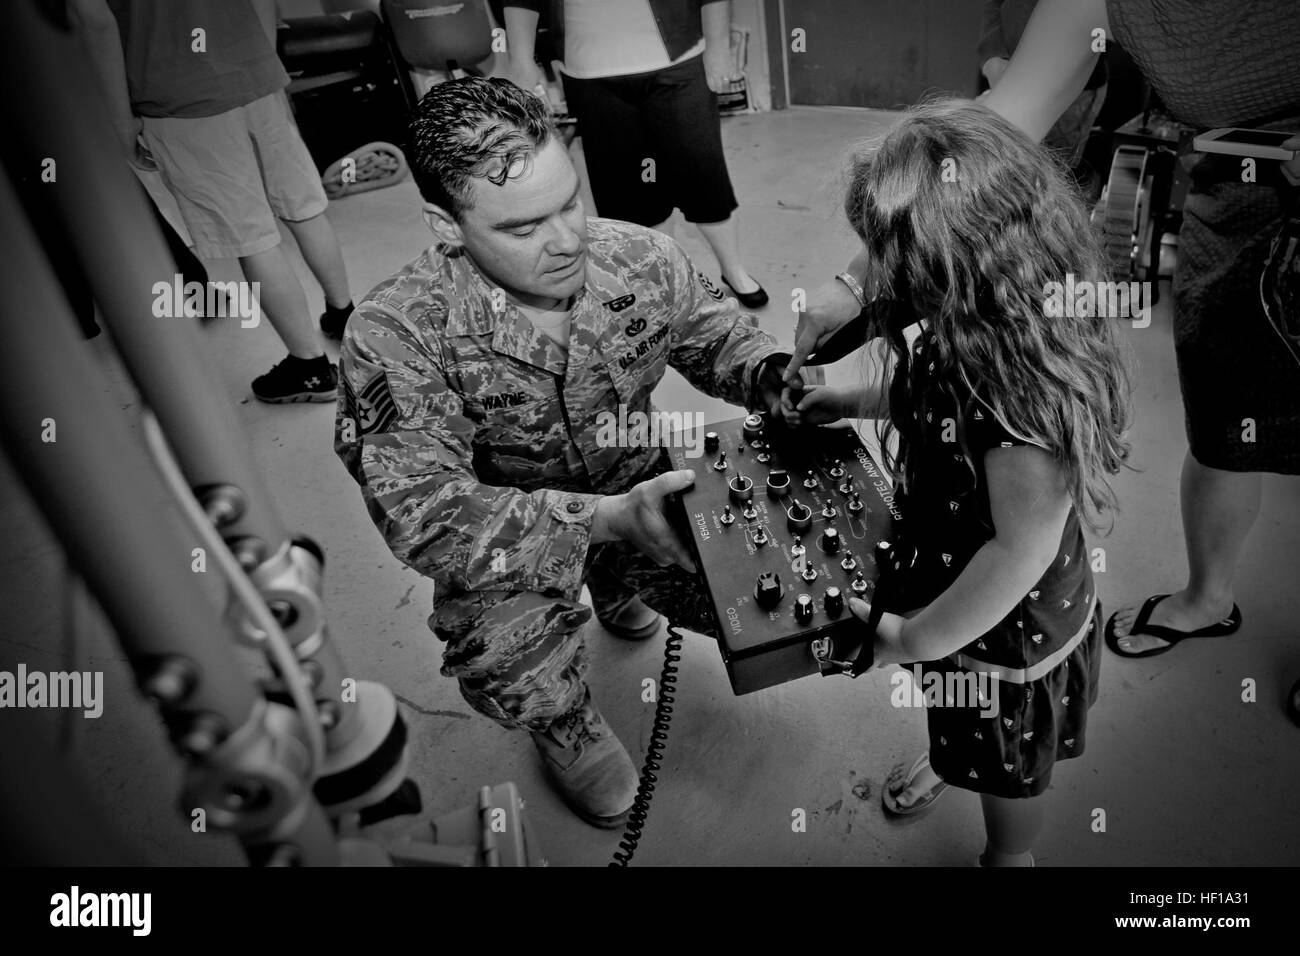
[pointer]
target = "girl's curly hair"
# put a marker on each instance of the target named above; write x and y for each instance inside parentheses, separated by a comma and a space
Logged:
(966, 221)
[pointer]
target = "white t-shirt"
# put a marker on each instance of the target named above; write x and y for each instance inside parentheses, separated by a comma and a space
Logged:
(614, 38)
(553, 324)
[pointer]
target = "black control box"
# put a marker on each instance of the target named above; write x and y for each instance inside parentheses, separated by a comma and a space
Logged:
(786, 526)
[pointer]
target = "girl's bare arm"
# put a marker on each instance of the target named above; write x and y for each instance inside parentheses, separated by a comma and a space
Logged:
(1029, 504)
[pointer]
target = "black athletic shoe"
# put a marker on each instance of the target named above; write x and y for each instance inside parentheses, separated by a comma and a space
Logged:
(333, 320)
(297, 380)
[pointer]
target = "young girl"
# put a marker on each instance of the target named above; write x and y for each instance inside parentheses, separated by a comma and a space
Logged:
(1008, 417)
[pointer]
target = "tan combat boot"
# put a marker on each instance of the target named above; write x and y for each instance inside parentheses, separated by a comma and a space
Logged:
(588, 766)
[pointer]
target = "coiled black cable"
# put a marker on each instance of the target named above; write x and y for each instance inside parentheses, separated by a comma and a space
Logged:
(654, 750)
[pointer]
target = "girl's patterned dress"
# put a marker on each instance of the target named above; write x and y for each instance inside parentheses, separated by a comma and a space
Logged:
(1045, 654)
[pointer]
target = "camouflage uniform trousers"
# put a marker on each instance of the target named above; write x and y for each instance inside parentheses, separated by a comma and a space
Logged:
(520, 656)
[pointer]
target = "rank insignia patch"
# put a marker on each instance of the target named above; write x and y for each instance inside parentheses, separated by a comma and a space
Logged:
(372, 408)
(713, 291)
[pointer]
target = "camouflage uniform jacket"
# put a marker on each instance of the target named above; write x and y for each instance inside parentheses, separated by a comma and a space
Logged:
(474, 439)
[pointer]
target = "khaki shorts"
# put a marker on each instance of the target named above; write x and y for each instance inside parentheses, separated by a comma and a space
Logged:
(234, 173)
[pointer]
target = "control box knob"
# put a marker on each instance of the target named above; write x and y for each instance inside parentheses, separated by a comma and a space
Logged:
(833, 602)
(767, 590)
(741, 489)
(710, 441)
(798, 518)
(752, 428)
(778, 483)
(803, 609)
(830, 541)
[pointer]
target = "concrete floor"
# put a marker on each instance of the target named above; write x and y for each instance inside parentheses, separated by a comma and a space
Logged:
(1186, 773)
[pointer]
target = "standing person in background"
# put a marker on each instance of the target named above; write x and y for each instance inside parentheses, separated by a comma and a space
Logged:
(640, 75)
(215, 118)
(57, 241)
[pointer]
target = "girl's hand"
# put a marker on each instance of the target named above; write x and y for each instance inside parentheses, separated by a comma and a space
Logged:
(888, 646)
(829, 306)
(817, 405)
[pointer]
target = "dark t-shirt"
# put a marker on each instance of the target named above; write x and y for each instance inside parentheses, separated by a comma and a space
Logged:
(947, 517)
(167, 73)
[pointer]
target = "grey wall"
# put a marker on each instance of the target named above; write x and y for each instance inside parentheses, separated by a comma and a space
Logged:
(880, 53)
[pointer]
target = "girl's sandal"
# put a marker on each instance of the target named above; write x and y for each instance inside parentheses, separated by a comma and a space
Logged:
(889, 799)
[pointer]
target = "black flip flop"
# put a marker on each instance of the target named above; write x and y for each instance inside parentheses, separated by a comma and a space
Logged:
(1228, 625)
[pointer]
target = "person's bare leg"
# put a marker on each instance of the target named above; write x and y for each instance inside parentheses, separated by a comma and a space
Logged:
(666, 227)
(320, 248)
(724, 239)
(283, 301)
(1219, 509)
(1012, 827)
